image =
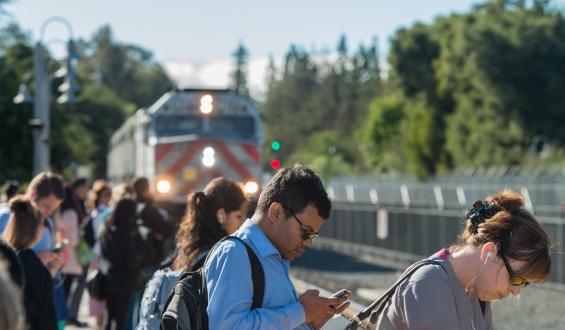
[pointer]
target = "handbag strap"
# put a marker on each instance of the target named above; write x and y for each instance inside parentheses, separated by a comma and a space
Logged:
(376, 307)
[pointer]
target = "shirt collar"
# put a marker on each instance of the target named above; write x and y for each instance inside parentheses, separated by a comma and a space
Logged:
(258, 239)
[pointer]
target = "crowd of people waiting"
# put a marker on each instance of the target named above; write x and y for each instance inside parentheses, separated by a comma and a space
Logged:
(56, 233)
(45, 260)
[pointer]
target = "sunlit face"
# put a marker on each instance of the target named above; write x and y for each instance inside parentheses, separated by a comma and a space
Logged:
(294, 236)
(233, 220)
(47, 205)
(105, 197)
(495, 282)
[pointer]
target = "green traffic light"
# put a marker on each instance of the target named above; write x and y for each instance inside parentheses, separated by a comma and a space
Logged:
(275, 145)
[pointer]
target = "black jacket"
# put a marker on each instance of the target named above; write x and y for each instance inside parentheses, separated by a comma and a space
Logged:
(124, 252)
(38, 292)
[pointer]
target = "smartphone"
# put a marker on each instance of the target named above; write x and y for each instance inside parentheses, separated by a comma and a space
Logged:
(340, 293)
(60, 246)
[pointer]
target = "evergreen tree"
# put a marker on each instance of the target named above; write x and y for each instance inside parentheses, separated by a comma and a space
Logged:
(239, 74)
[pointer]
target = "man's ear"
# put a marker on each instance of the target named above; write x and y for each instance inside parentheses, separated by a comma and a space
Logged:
(275, 212)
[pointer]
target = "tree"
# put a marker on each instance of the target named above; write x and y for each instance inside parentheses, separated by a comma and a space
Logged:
(239, 74)
(117, 65)
(15, 136)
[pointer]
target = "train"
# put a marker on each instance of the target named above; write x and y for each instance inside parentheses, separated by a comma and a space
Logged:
(185, 139)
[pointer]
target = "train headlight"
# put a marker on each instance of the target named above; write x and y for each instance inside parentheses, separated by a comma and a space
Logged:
(163, 186)
(206, 104)
(251, 187)
(208, 158)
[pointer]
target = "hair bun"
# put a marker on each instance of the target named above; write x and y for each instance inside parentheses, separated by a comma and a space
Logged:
(508, 199)
(20, 204)
(480, 212)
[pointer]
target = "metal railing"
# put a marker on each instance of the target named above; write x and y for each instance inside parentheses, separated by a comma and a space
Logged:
(415, 231)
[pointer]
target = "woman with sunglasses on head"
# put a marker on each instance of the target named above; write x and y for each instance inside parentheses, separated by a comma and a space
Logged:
(502, 249)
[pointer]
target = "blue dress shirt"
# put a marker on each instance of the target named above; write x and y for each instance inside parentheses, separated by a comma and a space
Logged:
(4, 217)
(230, 288)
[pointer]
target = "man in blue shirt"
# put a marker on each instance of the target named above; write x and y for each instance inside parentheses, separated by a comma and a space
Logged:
(289, 214)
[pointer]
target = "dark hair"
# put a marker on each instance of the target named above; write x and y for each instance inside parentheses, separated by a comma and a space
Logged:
(502, 219)
(124, 215)
(24, 223)
(13, 263)
(296, 188)
(71, 202)
(140, 186)
(200, 228)
(46, 184)
(79, 183)
(11, 189)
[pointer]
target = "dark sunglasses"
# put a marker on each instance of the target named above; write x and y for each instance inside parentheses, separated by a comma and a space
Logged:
(514, 280)
(307, 234)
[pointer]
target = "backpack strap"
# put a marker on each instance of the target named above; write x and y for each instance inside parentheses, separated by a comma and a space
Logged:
(376, 308)
(257, 274)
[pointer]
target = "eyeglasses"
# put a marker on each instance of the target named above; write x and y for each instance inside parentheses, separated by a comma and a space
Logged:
(306, 232)
(514, 280)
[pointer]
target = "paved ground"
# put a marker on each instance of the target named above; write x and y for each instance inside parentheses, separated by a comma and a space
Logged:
(539, 307)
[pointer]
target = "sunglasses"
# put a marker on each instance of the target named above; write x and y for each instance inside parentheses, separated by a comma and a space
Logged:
(307, 233)
(514, 280)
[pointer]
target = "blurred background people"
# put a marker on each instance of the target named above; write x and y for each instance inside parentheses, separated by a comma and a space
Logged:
(100, 206)
(10, 189)
(69, 227)
(25, 228)
(123, 248)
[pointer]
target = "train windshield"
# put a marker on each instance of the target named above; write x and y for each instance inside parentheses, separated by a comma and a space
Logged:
(236, 125)
(177, 125)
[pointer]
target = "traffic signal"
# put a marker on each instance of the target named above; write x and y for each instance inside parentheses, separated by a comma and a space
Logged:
(276, 147)
(275, 164)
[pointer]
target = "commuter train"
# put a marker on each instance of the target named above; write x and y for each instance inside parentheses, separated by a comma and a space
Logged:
(185, 139)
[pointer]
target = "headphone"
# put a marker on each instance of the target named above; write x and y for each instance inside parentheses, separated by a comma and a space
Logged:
(489, 254)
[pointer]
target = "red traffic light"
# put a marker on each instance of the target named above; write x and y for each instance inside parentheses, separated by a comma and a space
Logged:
(275, 164)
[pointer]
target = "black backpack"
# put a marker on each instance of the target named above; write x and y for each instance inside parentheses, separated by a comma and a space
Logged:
(186, 307)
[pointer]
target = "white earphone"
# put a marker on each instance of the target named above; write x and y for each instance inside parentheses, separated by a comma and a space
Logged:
(489, 254)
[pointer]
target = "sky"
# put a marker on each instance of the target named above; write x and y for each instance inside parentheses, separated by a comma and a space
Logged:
(194, 40)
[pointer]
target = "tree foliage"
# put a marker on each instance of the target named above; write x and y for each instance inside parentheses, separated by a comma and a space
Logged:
(479, 87)
(115, 79)
(315, 105)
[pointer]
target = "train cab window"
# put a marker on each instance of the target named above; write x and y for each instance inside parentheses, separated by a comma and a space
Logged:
(174, 125)
(243, 126)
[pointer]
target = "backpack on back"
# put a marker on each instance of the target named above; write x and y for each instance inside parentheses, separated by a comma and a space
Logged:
(157, 292)
(155, 296)
(186, 307)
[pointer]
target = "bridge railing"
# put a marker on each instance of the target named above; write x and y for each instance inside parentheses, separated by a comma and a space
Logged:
(413, 232)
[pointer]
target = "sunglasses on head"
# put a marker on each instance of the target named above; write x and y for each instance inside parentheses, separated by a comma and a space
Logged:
(514, 280)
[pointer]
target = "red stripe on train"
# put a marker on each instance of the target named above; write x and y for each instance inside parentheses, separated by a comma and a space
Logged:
(192, 149)
(252, 151)
(162, 151)
(232, 160)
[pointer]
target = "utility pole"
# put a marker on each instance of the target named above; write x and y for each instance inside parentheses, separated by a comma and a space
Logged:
(40, 123)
